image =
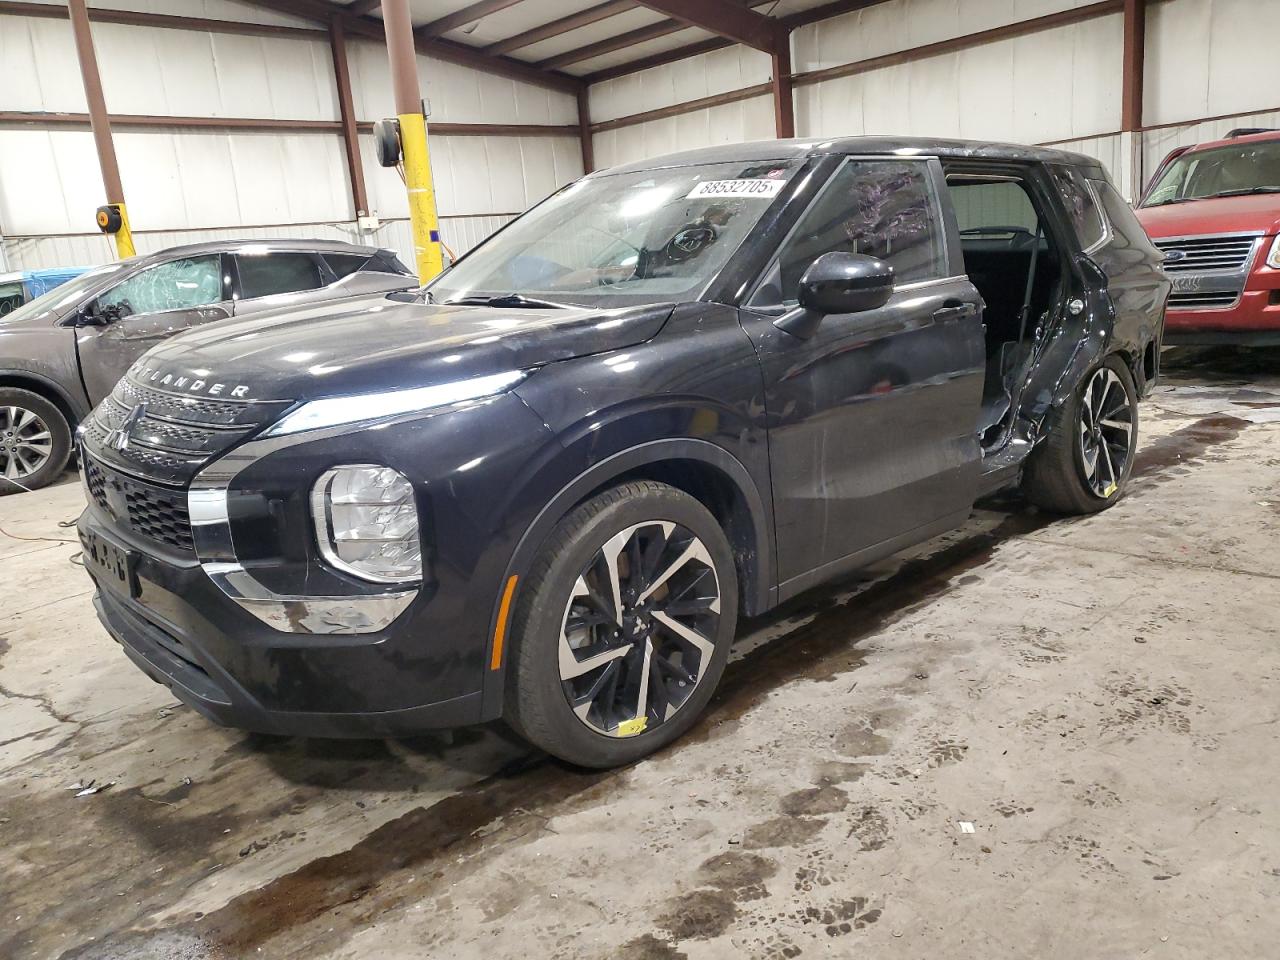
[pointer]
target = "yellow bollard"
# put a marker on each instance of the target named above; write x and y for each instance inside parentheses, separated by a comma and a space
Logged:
(422, 195)
(124, 236)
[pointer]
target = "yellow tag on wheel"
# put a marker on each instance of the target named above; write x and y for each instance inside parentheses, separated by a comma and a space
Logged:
(628, 728)
(1110, 490)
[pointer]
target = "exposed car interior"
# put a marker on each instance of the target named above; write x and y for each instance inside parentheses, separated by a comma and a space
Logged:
(1011, 259)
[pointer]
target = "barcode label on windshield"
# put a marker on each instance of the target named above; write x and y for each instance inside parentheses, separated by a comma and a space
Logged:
(737, 188)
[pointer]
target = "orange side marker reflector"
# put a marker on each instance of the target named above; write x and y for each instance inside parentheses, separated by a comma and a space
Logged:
(500, 631)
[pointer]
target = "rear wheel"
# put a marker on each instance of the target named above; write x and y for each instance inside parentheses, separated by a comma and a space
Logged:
(1084, 464)
(35, 441)
(623, 627)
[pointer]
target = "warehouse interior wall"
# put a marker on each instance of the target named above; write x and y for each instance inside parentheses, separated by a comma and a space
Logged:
(1059, 86)
(1207, 69)
(187, 185)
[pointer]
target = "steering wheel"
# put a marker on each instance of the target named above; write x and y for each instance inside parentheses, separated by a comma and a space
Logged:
(689, 241)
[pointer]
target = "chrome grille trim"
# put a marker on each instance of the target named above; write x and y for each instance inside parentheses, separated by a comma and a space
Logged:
(169, 436)
(1209, 271)
(1227, 252)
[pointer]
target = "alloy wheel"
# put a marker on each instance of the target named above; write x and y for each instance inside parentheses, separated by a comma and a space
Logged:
(1106, 432)
(26, 444)
(638, 630)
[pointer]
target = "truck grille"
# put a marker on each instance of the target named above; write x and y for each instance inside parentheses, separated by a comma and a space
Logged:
(1226, 253)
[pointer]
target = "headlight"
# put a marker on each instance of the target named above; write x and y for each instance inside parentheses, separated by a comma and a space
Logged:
(1273, 258)
(367, 524)
(334, 411)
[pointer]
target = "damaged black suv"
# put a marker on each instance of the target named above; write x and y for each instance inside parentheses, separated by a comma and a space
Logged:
(545, 487)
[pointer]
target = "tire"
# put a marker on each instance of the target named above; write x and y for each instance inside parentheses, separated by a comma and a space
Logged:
(1058, 476)
(35, 441)
(671, 631)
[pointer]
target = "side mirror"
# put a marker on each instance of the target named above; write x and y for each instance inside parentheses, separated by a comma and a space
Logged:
(88, 318)
(846, 283)
(838, 283)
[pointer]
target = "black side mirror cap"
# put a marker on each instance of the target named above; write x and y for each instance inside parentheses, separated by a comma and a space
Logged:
(838, 283)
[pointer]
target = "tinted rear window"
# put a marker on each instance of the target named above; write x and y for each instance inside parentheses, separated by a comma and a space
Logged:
(263, 275)
(345, 264)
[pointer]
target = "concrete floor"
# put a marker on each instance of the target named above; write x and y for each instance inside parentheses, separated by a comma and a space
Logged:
(1099, 698)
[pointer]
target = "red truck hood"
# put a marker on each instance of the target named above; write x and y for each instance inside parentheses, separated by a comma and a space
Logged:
(1255, 212)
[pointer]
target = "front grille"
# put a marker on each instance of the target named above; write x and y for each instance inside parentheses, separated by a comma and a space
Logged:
(1226, 253)
(167, 437)
(148, 510)
(1203, 301)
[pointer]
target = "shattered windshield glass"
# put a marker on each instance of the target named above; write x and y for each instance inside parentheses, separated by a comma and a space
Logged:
(624, 238)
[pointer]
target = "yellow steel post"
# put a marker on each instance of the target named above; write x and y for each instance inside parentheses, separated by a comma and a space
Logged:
(422, 195)
(124, 236)
(401, 51)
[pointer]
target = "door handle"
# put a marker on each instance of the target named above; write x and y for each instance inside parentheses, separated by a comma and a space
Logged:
(954, 310)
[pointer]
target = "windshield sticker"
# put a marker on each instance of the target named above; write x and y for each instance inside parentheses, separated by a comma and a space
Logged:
(737, 188)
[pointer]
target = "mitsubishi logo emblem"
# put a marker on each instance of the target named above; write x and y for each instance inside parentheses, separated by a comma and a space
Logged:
(118, 439)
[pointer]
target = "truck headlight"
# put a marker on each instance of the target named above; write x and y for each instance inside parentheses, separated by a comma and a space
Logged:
(367, 524)
(1273, 258)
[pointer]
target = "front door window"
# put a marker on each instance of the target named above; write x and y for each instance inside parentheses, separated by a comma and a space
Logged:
(177, 285)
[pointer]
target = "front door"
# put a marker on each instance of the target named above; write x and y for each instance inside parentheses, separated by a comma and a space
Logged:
(137, 313)
(872, 421)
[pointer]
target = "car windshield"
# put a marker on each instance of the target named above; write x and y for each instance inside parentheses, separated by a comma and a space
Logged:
(64, 295)
(621, 239)
(1234, 170)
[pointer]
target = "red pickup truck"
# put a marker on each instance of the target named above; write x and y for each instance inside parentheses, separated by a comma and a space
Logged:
(1214, 209)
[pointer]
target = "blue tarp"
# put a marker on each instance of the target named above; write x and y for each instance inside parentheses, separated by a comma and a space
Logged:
(39, 282)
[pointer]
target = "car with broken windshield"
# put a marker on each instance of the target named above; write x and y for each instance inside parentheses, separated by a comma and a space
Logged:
(546, 487)
(63, 351)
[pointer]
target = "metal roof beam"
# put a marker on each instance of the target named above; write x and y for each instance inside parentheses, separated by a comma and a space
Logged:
(733, 21)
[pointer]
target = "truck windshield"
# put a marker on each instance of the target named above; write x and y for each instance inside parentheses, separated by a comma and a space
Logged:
(621, 239)
(1235, 170)
(64, 295)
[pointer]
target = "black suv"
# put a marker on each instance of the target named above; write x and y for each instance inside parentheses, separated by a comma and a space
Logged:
(545, 487)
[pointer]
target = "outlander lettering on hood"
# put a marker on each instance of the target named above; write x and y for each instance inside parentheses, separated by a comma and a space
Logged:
(186, 383)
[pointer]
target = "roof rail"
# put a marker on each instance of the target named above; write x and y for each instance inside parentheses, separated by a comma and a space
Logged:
(1246, 131)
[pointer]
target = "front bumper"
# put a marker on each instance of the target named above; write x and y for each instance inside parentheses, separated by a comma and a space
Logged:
(1253, 321)
(227, 665)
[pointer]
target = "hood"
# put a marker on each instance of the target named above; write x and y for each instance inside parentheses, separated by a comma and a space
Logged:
(1248, 214)
(382, 343)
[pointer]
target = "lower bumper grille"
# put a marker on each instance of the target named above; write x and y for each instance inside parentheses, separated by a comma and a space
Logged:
(156, 513)
(1203, 301)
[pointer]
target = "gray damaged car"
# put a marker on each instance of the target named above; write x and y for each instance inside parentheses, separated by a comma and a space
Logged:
(63, 352)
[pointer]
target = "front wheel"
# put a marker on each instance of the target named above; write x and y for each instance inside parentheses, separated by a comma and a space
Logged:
(623, 627)
(1084, 463)
(35, 441)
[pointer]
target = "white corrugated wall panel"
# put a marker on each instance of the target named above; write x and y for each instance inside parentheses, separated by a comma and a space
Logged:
(995, 92)
(902, 24)
(1207, 58)
(731, 123)
(49, 180)
(477, 176)
(40, 70)
(705, 75)
(457, 94)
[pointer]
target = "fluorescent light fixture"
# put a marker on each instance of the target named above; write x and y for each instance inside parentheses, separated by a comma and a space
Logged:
(335, 411)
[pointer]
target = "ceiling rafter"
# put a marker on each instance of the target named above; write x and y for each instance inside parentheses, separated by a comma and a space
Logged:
(788, 23)
(373, 29)
(583, 18)
(728, 19)
(460, 18)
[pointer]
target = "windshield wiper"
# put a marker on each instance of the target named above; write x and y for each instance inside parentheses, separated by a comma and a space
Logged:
(506, 300)
(1246, 191)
